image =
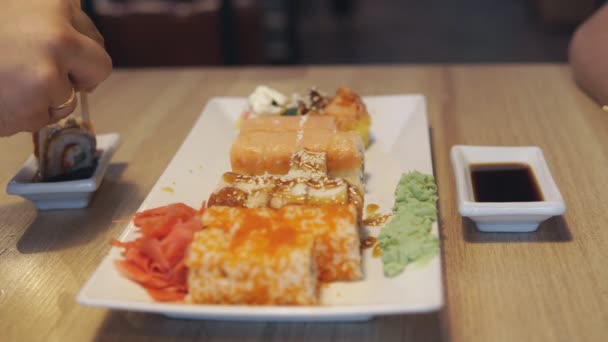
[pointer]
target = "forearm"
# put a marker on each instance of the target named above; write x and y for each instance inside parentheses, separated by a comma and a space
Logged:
(589, 56)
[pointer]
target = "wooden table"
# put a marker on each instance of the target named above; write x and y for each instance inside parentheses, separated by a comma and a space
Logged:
(549, 285)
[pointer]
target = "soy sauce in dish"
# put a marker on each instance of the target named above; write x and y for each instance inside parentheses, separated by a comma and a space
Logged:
(504, 182)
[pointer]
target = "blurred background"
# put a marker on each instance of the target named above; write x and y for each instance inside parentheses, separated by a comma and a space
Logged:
(143, 33)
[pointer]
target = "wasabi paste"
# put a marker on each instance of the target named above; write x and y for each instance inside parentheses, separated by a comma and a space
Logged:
(407, 237)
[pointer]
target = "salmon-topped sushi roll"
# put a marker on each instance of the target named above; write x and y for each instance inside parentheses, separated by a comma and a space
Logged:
(257, 153)
(274, 123)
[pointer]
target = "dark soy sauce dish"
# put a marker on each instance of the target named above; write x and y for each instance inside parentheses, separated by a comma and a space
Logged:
(504, 182)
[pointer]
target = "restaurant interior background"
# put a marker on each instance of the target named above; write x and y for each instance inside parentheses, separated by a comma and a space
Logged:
(142, 33)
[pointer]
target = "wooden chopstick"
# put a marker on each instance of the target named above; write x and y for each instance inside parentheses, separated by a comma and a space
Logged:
(605, 108)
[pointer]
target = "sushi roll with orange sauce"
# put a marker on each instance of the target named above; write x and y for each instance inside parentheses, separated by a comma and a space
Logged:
(253, 257)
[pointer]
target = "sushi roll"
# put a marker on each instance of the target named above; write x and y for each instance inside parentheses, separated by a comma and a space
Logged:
(275, 123)
(237, 190)
(345, 108)
(253, 257)
(65, 151)
(258, 153)
(305, 183)
(263, 256)
(267, 191)
(336, 232)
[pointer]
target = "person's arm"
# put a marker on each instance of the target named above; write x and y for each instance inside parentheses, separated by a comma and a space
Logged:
(48, 48)
(589, 55)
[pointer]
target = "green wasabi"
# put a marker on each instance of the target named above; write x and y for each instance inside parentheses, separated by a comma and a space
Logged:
(407, 237)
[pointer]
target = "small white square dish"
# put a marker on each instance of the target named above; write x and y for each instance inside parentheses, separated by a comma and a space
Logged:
(63, 195)
(505, 216)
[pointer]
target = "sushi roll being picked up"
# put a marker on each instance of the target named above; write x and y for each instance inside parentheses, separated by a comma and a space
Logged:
(66, 150)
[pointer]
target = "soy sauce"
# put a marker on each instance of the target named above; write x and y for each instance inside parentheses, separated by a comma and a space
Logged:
(504, 182)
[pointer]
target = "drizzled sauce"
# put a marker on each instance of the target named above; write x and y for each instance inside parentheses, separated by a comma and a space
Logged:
(229, 197)
(504, 182)
(371, 209)
(376, 220)
(377, 251)
(283, 188)
(373, 218)
(368, 242)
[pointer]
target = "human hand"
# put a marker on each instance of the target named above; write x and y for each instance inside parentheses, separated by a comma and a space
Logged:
(588, 55)
(49, 48)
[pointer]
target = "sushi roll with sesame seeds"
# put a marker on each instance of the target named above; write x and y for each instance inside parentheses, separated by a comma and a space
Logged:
(306, 182)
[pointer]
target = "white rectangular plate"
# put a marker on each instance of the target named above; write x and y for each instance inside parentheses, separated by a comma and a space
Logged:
(401, 143)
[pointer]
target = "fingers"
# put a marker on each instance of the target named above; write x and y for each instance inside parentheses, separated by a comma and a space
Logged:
(43, 72)
(65, 107)
(60, 94)
(83, 24)
(88, 64)
(29, 122)
(24, 107)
